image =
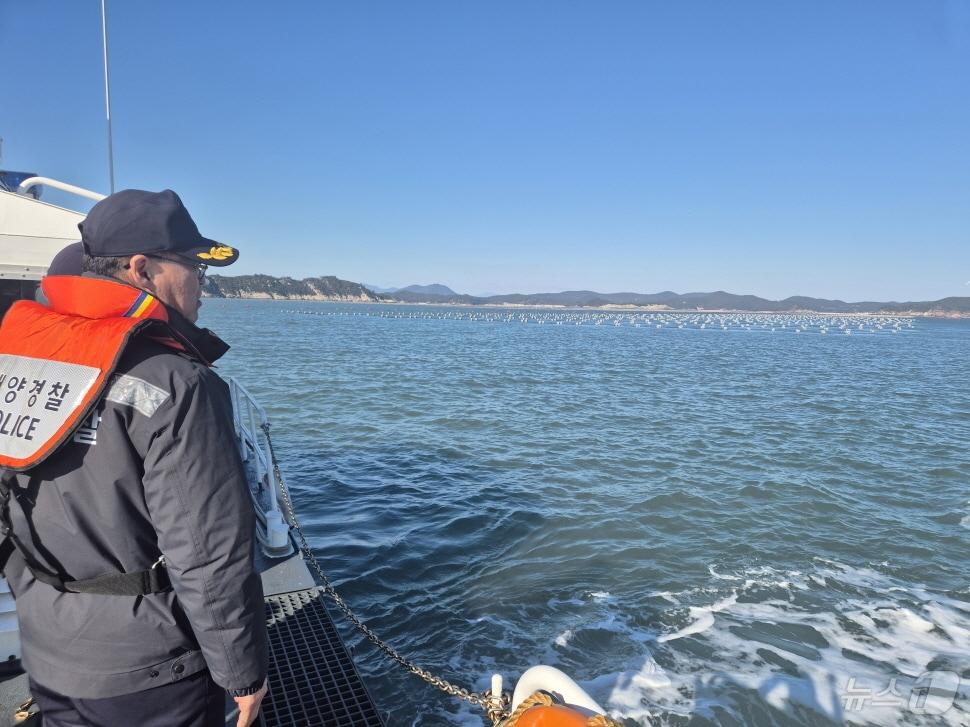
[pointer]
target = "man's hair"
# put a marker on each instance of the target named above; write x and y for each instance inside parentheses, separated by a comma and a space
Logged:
(107, 266)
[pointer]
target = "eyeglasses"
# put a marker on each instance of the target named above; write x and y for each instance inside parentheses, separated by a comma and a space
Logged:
(200, 268)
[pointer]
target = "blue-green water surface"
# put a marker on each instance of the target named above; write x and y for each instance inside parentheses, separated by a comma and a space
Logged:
(701, 526)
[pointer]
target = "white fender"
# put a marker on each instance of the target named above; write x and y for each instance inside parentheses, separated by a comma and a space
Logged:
(550, 679)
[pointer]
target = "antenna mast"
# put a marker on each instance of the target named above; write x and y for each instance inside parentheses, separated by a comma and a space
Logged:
(107, 95)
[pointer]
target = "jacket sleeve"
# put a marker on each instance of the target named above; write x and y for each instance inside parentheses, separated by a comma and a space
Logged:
(198, 500)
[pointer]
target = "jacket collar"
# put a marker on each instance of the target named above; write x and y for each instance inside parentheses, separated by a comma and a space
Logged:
(200, 342)
(100, 297)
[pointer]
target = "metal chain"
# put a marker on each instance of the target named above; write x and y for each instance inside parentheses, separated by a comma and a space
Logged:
(483, 700)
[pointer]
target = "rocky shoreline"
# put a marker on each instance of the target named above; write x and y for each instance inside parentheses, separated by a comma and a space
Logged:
(326, 288)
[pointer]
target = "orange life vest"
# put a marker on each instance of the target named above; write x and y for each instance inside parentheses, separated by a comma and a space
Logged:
(55, 362)
(553, 715)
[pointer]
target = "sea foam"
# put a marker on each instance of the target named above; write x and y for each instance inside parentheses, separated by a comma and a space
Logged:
(857, 663)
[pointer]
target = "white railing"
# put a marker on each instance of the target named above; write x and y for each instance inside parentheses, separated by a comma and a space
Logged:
(63, 186)
(250, 423)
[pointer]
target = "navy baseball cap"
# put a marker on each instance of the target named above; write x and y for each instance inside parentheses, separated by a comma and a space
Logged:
(67, 261)
(133, 222)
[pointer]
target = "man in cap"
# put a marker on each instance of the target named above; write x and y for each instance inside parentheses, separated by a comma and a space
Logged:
(68, 261)
(128, 518)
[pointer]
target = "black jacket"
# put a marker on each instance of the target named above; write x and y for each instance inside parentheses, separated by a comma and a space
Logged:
(154, 471)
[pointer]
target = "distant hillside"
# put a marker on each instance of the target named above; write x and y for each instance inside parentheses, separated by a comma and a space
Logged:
(434, 293)
(433, 289)
(267, 286)
(331, 288)
(944, 305)
(718, 300)
(455, 299)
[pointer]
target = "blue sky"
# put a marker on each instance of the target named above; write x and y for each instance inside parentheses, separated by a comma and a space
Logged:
(777, 148)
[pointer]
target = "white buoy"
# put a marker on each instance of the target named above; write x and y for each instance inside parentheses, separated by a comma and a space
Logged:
(552, 680)
(497, 691)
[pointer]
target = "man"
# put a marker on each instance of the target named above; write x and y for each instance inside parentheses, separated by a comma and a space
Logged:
(128, 518)
(68, 261)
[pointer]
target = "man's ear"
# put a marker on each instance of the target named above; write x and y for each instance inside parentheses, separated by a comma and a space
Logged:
(137, 273)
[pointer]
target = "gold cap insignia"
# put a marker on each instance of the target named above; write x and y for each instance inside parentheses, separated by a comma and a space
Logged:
(220, 252)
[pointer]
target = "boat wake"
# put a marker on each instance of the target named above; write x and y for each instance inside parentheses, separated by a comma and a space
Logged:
(768, 648)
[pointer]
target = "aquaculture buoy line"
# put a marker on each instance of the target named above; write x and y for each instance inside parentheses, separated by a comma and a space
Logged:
(770, 322)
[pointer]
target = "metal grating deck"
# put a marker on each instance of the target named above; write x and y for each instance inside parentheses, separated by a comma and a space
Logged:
(312, 680)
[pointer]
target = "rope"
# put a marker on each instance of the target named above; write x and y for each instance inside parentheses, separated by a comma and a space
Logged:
(603, 720)
(495, 709)
(544, 699)
(537, 699)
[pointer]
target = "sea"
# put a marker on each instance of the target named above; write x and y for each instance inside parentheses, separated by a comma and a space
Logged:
(704, 519)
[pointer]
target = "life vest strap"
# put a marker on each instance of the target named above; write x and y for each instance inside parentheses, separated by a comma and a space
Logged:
(136, 583)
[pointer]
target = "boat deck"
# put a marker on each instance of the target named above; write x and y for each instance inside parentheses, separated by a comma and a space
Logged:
(313, 681)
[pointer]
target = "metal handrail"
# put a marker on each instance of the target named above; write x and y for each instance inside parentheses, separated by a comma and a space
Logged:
(63, 186)
(245, 411)
(249, 419)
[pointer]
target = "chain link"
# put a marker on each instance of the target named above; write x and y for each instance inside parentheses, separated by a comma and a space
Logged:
(483, 700)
